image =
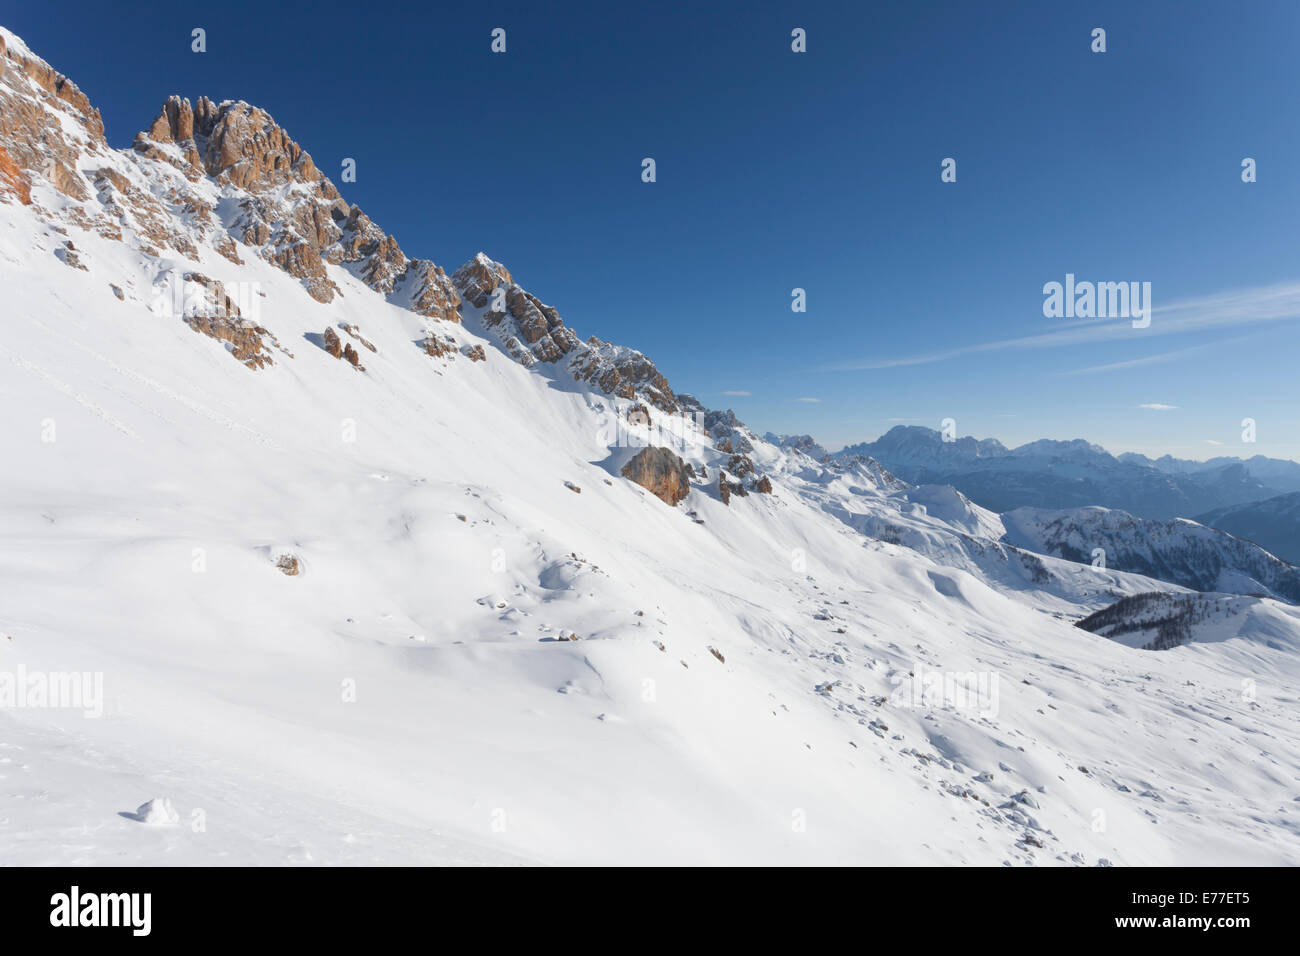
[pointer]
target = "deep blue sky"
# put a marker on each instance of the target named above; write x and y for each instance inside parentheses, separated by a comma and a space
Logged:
(817, 170)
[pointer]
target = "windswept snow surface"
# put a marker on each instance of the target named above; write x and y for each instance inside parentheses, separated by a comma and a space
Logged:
(739, 691)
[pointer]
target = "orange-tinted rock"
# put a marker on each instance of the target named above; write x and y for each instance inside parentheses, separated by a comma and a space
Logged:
(661, 472)
(247, 341)
(34, 98)
(13, 181)
(479, 278)
(332, 343)
(439, 345)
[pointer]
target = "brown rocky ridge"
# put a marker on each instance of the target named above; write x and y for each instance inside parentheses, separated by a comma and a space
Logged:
(531, 331)
(205, 178)
(155, 195)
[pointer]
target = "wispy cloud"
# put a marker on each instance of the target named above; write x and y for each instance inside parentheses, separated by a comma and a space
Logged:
(1157, 406)
(1220, 310)
(810, 401)
(1211, 441)
(738, 393)
(1145, 360)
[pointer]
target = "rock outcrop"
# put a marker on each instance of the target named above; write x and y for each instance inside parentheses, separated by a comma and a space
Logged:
(210, 311)
(333, 344)
(439, 346)
(530, 331)
(661, 472)
(728, 488)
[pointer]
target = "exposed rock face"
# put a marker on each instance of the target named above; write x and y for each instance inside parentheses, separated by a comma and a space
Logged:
(246, 341)
(429, 291)
(661, 472)
(474, 353)
(739, 465)
(67, 254)
(332, 343)
(291, 213)
(531, 331)
(728, 488)
(13, 181)
(341, 350)
(729, 433)
(34, 99)
(763, 486)
(439, 346)
(216, 315)
(479, 278)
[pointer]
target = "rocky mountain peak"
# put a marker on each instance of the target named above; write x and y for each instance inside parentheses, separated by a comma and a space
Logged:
(35, 142)
(302, 229)
(234, 142)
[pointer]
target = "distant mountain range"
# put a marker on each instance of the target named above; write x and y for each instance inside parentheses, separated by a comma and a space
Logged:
(1067, 498)
(1273, 524)
(1069, 474)
(1179, 551)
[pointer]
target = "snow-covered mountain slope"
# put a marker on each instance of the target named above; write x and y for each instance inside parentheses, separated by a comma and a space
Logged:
(937, 521)
(362, 583)
(1061, 474)
(1161, 621)
(1273, 524)
(1181, 551)
(804, 443)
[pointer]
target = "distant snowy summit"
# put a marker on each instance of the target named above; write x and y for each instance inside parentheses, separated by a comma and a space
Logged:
(1064, 474)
